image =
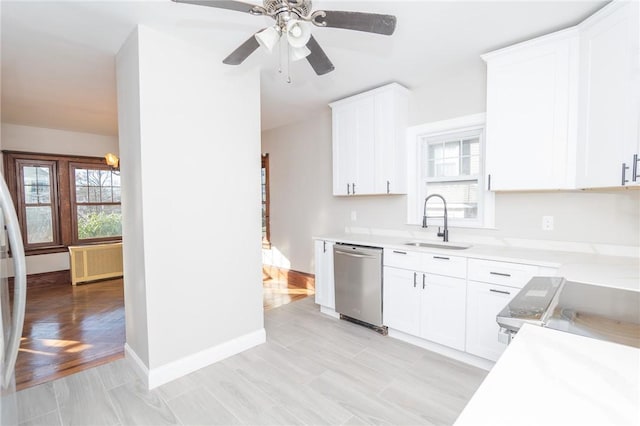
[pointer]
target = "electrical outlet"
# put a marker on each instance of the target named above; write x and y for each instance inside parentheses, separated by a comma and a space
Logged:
(354, 216)
(547, 223)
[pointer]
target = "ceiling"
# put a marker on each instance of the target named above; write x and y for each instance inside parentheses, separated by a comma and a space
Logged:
(58, 58)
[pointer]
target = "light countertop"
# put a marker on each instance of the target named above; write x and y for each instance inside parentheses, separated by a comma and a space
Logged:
(550, 377)
(612, 271)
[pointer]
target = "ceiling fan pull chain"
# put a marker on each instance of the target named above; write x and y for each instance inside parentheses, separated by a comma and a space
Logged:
(280, 56)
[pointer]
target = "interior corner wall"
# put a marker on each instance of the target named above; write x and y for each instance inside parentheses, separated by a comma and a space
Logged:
(302, 204)
(16, 137)
(199, 177)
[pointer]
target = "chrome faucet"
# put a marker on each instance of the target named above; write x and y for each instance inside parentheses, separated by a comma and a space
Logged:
(445, 233)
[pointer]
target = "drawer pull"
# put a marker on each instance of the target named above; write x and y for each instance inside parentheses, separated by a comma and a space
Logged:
(414, 279)
(499, 291)
(423, 283)
(399, 252)
(440, 257)
(500, 274)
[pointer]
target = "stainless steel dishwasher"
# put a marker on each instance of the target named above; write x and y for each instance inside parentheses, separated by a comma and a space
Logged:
(358, 284)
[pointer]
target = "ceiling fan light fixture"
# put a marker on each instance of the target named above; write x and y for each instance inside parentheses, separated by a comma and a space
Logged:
(268, 38)
(298, 53)
(298, 33)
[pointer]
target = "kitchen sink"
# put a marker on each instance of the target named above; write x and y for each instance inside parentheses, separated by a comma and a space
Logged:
(445, 246)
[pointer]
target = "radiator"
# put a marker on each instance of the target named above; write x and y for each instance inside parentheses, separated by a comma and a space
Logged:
(95, 262)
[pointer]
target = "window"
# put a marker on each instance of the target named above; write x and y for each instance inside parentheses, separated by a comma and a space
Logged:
(451, 168)
(63, 200)
(37, 197)
(265, 201)
(449, 161)
(96, 210)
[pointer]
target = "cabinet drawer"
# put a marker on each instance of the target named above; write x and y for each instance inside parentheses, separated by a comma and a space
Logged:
(443, 264)
(503, 273)
(433, 263)
(403, 259)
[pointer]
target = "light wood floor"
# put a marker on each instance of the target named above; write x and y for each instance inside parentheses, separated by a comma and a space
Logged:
(313, 370)
(72, 328)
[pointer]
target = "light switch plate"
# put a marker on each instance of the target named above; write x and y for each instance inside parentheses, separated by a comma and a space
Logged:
(547, 223)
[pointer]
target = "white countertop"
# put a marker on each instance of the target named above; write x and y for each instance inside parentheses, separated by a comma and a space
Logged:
(548, 377)
(611, 271)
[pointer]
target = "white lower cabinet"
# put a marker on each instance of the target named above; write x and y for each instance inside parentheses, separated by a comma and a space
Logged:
(425, 305)
(484, 302)
(325, 289)
(401, 300)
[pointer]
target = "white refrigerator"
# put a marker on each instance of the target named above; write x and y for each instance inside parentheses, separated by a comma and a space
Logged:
(11, 314)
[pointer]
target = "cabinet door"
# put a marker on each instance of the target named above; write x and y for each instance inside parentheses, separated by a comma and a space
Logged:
(344, 148)
(610, 109)
(484, 302)
(363, 182)
(442, 318)
(531, 114)
(390, 153)
(401, 300)
(325, 290)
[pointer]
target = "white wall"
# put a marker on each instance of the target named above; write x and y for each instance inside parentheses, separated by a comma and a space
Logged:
(194, 167)
(302, 204)
(16, 137)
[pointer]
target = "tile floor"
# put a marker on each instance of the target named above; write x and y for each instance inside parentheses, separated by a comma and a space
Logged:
(313, 370)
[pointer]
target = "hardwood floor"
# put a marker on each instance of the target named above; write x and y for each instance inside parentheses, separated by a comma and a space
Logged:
(313, 369)
(72, 328)
(282, 286)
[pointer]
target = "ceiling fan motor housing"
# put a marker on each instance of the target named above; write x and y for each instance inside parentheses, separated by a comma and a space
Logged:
(299, 7)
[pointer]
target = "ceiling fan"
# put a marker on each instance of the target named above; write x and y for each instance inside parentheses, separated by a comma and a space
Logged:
(293, 22)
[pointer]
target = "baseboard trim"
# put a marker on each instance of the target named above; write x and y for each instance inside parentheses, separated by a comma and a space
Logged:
(329, 311)
(465, 357)
(155, 377)
(141, 370)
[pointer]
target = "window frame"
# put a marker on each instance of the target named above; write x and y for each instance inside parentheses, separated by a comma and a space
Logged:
(62, 207)
(417, 189)
(74, 204)
(266, 243)
(54, 204)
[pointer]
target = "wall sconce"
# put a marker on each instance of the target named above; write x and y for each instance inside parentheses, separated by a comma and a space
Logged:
(113, 161)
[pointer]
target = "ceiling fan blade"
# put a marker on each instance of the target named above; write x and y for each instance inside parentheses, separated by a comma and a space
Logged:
(222, 4)
(241, 53)
(358, 21)
(318, 59)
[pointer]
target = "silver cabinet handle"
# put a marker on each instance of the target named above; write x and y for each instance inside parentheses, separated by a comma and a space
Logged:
(353, 188)
(624, 173)
(423, 281)
(441, 258)
(499, 291)
(324, 246)
(362, 256)
(388, 189)
(500, 274)
(635, 175)
(414, 279)
(489, 182)
(348, 191)
(20, 283)
(399, 252)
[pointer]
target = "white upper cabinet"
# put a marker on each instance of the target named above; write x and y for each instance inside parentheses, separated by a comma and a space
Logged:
(609, 96)
(531, 113)
(369, 142)
(563, 110)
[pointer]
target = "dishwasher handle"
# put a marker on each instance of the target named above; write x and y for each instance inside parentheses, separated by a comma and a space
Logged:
(362, 256)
